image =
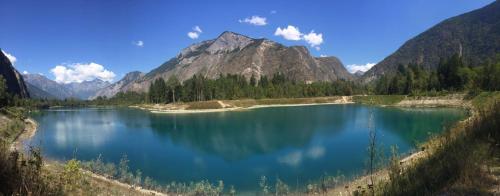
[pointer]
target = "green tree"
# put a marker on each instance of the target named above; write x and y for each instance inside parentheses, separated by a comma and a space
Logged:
(3, 92)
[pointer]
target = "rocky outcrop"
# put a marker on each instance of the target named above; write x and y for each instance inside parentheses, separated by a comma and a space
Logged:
(14, 80)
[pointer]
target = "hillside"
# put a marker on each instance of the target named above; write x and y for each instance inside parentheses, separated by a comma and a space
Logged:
(474, 35)
(14, 80)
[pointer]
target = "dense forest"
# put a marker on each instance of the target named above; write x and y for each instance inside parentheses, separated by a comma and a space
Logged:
(199, 88)
(451, 75)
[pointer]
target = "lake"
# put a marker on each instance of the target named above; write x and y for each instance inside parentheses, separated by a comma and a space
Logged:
(296, 144)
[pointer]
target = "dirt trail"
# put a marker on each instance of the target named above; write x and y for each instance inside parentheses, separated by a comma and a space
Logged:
(30, 127)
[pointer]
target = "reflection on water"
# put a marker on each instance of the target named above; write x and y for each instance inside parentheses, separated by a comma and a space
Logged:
(294, 143)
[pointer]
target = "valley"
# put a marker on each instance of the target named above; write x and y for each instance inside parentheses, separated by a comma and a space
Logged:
(231, 108)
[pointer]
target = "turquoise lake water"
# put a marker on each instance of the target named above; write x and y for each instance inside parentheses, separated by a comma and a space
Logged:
(296, 144)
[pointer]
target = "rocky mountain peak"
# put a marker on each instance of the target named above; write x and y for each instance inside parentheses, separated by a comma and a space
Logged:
(359, 73)
(229, 41)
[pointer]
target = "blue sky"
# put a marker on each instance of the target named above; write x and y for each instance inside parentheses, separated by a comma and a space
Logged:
(74, 34)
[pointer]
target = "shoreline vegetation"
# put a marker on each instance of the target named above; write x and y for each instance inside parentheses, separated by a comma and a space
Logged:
(452, 100)
(240, 105)
(341, 187)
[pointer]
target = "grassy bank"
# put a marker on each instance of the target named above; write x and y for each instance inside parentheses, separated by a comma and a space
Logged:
(456, 160)
(464, 160)
(378, 99)
(447, 100)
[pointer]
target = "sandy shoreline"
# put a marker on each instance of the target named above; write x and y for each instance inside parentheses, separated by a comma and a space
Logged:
(228, 107)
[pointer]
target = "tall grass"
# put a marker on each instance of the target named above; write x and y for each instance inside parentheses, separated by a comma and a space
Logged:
(455, 155)
(23, 174)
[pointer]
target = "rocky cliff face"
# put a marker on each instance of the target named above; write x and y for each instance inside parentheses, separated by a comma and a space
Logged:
(232, 53)
(474, 35)
(119, 86)
(14, 80)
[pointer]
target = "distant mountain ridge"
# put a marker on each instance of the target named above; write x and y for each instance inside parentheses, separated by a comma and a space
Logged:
(49, 86)
(84, 90)
(232, 53)
(474, 35)
(118, 86)
(14, 80)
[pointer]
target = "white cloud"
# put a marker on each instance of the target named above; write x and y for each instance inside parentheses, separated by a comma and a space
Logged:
(11, 57)
(195, 33)
(25, 72)
(323, 55)
(139, 43)
(294, 34)
(79, 72)
(274, 12)
(197, 29)
(289, 33)
(355, 67)
(255, 20)
(314, 39)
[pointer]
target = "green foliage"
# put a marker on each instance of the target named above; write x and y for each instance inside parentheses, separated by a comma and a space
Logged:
(281, 188)
(23, 174)
(485, 99)
(451, 75)
(11, 129)
(229, 87)
(3, 92)
(264, 187)
(123, 170)
(72, 176)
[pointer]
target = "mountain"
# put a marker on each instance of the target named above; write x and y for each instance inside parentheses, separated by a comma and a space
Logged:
(119, 86)
(38, 93)
(359, 73)
(41, 82)
(80, 90)
(14, 80)
(232, 53)
(86, 89)
(474, 35)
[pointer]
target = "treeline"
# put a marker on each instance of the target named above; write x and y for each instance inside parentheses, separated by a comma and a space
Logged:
(199, 88)
(451, 75)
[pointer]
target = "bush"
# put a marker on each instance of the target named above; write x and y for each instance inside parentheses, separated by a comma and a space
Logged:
(23, 175)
